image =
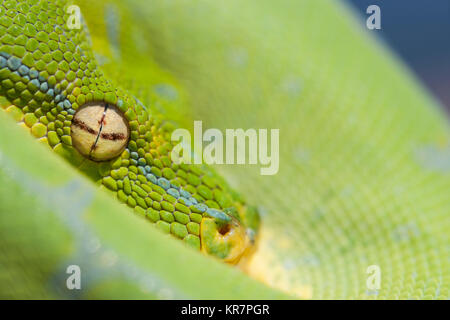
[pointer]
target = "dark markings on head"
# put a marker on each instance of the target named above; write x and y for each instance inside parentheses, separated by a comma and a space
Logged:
(83, 126)
(113, 136)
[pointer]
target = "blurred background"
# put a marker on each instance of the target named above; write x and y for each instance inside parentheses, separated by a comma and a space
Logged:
(419, 32)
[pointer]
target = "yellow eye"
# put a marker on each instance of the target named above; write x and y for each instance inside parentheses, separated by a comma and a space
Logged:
(99, 131)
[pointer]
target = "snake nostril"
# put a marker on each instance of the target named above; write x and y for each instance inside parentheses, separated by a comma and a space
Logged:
(224, 229)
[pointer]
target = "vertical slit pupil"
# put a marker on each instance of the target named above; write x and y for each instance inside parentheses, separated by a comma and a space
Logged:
(100, 130)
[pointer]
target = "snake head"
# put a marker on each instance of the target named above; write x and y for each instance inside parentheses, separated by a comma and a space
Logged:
(56, 89)
(219, 228)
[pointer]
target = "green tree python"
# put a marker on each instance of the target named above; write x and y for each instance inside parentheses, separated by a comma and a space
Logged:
(364, 154)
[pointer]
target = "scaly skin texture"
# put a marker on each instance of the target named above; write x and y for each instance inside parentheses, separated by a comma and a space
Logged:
(364, 160)
(48, 72)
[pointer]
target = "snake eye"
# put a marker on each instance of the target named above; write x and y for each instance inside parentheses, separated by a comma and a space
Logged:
(99, 131)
